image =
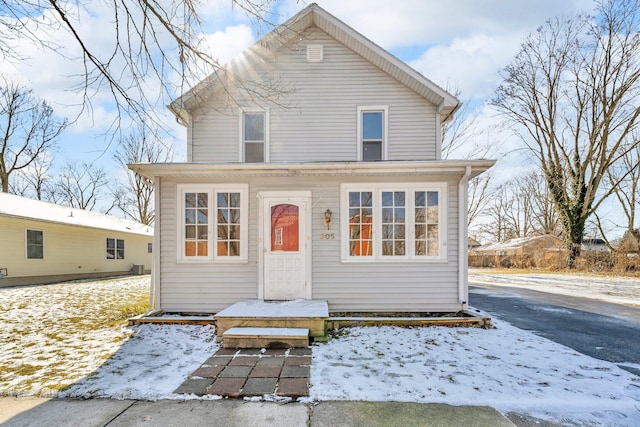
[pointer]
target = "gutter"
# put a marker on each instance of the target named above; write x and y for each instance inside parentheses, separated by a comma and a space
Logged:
(463, 262)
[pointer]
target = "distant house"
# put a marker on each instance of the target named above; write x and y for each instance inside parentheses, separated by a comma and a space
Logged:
(594, 245)
(473, 243)
(521, 246)
(520, 252)
(46, 243)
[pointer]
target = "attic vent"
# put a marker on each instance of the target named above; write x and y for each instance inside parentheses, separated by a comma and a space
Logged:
(315, 53)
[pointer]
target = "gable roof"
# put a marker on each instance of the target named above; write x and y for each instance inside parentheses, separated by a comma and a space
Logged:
(24, 208)
(314, 15)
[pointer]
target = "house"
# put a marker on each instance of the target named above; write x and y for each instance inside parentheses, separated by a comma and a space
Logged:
(335, 190)
(594, 245)
(519, 252)
(46, 243)
(521, 246)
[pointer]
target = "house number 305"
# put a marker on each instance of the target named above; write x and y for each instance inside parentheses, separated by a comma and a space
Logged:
(327, 236)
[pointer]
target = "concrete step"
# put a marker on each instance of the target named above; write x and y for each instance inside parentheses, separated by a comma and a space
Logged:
(238, 337)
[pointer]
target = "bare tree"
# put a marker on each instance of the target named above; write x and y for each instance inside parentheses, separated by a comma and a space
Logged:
(81, 186)
(35, 180)
(28, 128)
(544, 218)
(624, 179)
(151, 42)
(573, 90)
(135, 198)
(461, 136)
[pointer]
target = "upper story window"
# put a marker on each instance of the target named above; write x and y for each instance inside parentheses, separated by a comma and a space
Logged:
(213, 222)
(35, 244)
(255, 137)
(393, 223)
(115, 248)
(372, 133)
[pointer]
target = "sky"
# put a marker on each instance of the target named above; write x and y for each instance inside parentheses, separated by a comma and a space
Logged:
(459, 44)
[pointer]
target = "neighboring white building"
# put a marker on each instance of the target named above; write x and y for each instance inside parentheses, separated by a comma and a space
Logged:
(46, 243)
(334, 191)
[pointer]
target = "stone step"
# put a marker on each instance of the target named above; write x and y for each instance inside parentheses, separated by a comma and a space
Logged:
(238, 337)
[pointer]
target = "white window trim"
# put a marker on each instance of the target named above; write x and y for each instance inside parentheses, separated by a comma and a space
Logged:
(115, 248)
(26, 245)
(385, 128)
(267, 131)
(212, 224)
(377, 189)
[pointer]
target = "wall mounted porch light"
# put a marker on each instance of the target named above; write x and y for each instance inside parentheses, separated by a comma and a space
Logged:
(327, 218)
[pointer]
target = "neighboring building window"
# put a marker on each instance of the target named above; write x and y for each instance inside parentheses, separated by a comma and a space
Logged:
(255, 132)
(405, 222)
(35, 244)
(213, 222)
(372, 133)
(115, 248)
(149, 248)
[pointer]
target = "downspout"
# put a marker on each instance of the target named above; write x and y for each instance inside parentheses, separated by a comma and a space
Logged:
(463, 262)
(154, 296)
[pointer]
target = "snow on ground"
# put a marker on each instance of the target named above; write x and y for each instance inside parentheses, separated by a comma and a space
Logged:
(613, 289)
(151, 364)
(505, 368)
(41, 349)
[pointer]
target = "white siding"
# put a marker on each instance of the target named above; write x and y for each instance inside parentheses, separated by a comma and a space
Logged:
(68, 250)
(389, 286)
(316, 121)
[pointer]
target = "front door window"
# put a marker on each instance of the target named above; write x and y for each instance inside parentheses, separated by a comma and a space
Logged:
(284, 228)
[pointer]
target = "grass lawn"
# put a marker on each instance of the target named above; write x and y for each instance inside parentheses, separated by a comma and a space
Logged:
(53, 335)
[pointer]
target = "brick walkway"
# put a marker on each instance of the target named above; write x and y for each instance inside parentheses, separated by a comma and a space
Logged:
(252, 372)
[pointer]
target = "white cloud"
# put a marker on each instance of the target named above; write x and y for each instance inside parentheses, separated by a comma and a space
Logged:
(470, 65)
(225, 45)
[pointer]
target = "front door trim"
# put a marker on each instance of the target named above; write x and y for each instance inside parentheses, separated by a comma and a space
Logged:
(283, 197)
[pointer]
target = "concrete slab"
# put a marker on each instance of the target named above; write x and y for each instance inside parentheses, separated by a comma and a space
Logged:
(12, 406)
(62, 413)
(221, 413)
(391, 414)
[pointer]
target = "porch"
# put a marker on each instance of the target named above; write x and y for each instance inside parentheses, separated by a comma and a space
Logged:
(272, 324)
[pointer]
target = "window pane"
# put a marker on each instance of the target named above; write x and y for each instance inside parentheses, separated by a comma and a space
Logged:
(234, 200)
(372, 125)
(371, 151)
(254, 152)
(190, 200)
(360, 219)
(203, 200)
(190, 216)
(254, 127)
(234, 216)
(223, 200)
(190, 248)
(34, 237)
(393, 218)
(228, 213)
(196, 220)
(427, 241)
(234, 248)
(203, 249)
(35, 252)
